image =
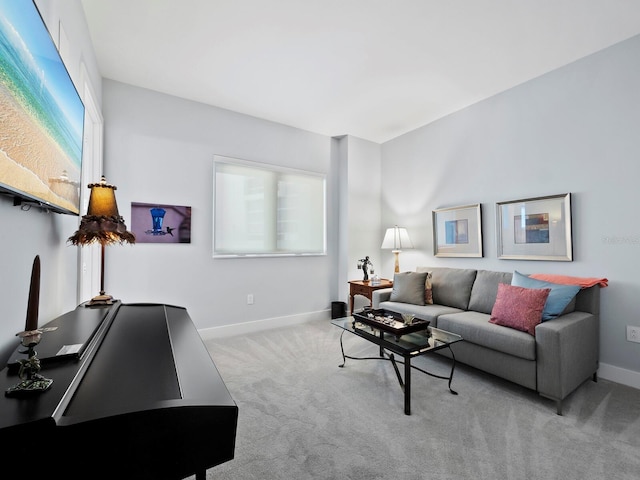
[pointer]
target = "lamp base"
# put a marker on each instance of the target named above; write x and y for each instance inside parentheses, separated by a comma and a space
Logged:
(102, 299)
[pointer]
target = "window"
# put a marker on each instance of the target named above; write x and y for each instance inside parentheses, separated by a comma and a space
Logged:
(267, 210)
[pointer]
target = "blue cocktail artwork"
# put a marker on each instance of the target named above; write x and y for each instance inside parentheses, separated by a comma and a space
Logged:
(160, 223)
(157, 217)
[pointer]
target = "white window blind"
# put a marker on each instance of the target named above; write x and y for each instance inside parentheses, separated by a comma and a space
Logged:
(267, 210)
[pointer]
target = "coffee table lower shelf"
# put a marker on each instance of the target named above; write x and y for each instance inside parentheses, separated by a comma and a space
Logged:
(406, 346)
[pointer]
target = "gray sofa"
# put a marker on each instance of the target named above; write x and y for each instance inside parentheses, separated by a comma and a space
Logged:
(560, 357)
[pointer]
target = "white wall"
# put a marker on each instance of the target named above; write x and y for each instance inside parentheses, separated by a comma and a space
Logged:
(340, 169)
(25, 234)
(572, 130)
(160, 148)
(363, 207)
(357, 166)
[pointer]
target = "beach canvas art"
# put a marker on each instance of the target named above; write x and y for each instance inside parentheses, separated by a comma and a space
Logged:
(158, 223)
(41, 114)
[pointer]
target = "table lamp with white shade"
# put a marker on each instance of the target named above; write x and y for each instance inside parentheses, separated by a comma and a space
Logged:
(396, 239)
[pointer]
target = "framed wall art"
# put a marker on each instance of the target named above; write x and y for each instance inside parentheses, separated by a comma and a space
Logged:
(156, 223)
(457, 231)
(535, 228)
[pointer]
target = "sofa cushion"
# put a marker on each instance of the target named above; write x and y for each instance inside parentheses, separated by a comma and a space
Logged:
(409, 287)
(451, 286)
(474, 327)
(485, 289)
(560, 296)
(518, 307)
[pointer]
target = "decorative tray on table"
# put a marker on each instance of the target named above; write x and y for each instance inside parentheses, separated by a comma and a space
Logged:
(388, 321)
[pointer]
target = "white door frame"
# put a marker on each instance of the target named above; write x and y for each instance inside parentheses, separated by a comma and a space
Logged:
(89, 256)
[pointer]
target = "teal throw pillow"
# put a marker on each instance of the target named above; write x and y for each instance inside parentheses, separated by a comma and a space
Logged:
(558, 299)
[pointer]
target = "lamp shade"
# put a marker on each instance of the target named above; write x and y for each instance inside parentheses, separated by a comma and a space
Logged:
(102, 200)
(102, 223)
(396, 239)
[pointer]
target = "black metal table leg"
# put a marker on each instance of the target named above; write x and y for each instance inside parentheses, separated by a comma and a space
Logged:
(449, 378)
(395, 367)
(344, 359)
(385, 353)
(453, 367)
(407, 385)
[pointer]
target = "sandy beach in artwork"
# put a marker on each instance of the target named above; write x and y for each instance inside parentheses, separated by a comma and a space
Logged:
(29, 158)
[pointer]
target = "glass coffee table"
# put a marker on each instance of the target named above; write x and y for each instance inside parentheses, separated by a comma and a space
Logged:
(390, 333)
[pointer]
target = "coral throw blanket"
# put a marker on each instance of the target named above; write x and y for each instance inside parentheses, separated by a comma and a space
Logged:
(584, 282)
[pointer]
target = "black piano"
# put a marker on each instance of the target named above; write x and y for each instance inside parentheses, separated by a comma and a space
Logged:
(135, 394)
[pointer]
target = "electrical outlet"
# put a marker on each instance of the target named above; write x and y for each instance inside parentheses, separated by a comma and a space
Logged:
(633, 333)
(250, 299)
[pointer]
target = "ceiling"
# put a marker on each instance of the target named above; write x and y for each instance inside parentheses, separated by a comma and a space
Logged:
(374, 69)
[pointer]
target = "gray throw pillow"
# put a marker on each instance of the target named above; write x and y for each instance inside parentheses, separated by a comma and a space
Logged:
(408, 287)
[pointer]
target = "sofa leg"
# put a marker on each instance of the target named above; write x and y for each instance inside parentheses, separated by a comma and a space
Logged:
(595, 377)
(558, 402)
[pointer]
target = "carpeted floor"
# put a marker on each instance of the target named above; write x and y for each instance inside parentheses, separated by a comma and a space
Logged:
(302, 417)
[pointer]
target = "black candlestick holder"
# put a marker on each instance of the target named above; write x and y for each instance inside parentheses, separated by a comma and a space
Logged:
(31, 380)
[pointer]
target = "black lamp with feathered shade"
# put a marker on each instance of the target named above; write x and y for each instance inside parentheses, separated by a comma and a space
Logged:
(102, 224)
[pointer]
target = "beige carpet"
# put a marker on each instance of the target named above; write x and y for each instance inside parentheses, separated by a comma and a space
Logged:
(302, 417)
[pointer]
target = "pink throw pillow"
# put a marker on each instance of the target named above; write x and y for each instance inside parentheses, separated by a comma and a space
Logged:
(518, 307)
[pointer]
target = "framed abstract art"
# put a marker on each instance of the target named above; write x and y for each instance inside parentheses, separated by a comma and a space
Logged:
(535, 228)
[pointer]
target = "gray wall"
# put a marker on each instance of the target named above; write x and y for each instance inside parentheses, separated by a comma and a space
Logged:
(25, 234)
(572, 130)
(160, 148)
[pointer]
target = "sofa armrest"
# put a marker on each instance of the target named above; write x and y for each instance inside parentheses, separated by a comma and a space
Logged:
(567, 353)
(382, 295)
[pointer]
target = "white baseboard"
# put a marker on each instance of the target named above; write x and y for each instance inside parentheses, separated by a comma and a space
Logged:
(626, 377)
(264, 324)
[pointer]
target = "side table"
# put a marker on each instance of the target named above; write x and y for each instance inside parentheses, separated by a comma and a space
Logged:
(366, 289)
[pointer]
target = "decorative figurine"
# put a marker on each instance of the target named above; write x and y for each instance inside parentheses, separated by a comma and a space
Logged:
(364, 264)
